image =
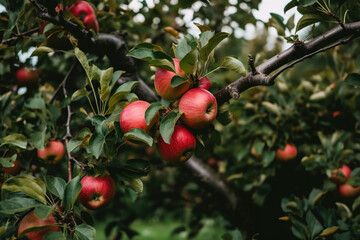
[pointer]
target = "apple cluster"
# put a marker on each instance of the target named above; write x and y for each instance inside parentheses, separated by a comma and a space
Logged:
(197, 106)
(288, 153)
(340, 177)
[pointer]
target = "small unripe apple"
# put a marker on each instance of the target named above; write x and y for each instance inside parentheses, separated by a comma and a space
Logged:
(14, 170)
(340, 175)
(198, 107)
(85, 10)
(26, 76)
(162, 82)
(31, 220)
(97, 191)
(348, 191)
(288, 153)
(204, 83)
(182, 145)
(52, 153)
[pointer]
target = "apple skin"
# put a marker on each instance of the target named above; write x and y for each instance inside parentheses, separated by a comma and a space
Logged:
(286, 154)
(182, 145)
(84, 9)
(14, 170)
(204, 83)
(52, 153)
(348, 191)
(26, 77)
(340, 175)
(199, 108)
(162, 82)
(97, 191)
(31, 220)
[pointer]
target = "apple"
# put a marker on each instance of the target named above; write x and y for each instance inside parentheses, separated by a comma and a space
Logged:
(31, 220)
(162, 82)
(255, 153)
(204, 83)
(348, 191)
(336, 113)
(182, 145)
(26, 76)
(52, 153)
(14, 170)
(340, 175)
(82, 9)
(198, 107)
(288, 153)
(212, 161)
(97, 191)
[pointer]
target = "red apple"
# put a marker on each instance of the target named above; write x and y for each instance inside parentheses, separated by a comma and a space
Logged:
(212, 161)
(198, 107)
(97, 191)
(288, 153)
(26, 76)
(31, 220)
(182, 145)
(340, 175)
(348, 191)
(82, 9)
(204, 83)
(53, 152)
(336, 113)
(162, 82)
(14, 170)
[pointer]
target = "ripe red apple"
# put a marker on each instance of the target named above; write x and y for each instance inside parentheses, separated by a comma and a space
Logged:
(14, 170)
(204, 83)
(340, 175)
(26, 76)
(31, 220)
(336, 113)
(162, 82)
(97, 191)
(182, 145)
(52, 153)
(82, 9)
(288, 153)
(348, 191)
(198, 107)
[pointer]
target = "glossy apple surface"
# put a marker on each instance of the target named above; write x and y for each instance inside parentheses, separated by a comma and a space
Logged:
(25, 76)
(97, 191)
(31, 220)
(348, 191)
(82, 9)
(286, 154)
(198, 107)
(182, 145)
(340, 175)
(162, 82)
(204, 83)
(52, 153)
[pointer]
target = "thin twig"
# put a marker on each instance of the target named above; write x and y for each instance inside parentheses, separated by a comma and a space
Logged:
(11, 40)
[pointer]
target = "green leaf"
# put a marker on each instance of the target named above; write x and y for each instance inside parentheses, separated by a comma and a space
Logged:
(96, 144)
(353, 79)
(268, 157)
(99, 122)
(307, 20)
(131, 97)
(131, 194)
(38, 137)
(43, 211)
(167, 125)
(138, 134)
(40, 50)
(54, 236)
(290, 5)
(79, 94)
(233, 235)
(290, 23)
(306, 3)
(120, 94)
(8, 161)
(116, 75)
(187, 44)
(27, 185)
(137, 185)
(80, 55)
(35, 103)
(177, 80)
(71, 193)
(17, 204)
(313, 224)
(279, 19)
(259, 146)
(85, 232)
(233, 64)
(14, 9)
(104, 83)
(206, 50)
(73, 144)
(152, 111)
(55, 185)
(205, 37)
(188, 62)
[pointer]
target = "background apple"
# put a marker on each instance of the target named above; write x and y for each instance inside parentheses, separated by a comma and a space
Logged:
(162, 82)
(199, 108)
(204, 83)
(26, 76)
(348, 191)
(255, 153)
(52, 153)
(97, 191)
(340, 175)
(182, 145)
(31, 220)
(288, 153)
(82, 9)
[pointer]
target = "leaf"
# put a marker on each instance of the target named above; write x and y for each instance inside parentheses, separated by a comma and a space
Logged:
(187, 64)
(202, 28)
(43, 211)
(99, 122)
(267, 158)
(291, 5)
(307, 20)
(233, 64)
(329, 231)
(151, 112)
(104, 83)
(187, 44)
(77, 95)
(138, 134)
(206, 50)
(17, 204)
(137, 185)
(131, 97)
(8, 161)
(172, 31)
(40, 50)
(271, 107)
(120, 94)
(35, 103)
(279, 19)
(54, 236)
(96, 144)
(131, 194)
(290, 23)
(73, 144)
(71, 193)
(116, 75)
(55, 185)
(205, 37)
(177, 80)
(313, 224)
(80, 55)
(85, 232)
(353, 79)
(306, 3)
(38, 138)
(232, 235)
(167, 125)
(27, 185)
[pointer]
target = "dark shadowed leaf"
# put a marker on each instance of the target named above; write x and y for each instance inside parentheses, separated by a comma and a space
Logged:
(177, 80)
(167, 125)
(71, 192)
(152, 111)
(353, 79)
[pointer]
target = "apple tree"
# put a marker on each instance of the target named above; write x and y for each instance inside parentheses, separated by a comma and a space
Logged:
(160, 120)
